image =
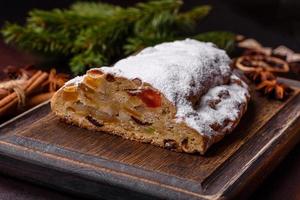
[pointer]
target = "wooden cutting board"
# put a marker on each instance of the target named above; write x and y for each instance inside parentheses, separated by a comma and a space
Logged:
(37, 147)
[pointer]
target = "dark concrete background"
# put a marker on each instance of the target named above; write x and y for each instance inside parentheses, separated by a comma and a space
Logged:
(272, 22)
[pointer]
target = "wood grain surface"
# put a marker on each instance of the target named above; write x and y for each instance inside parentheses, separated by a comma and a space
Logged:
(36, 146)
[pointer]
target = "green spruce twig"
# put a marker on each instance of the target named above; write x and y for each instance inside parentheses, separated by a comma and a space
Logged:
(96, 34)
(224, 40)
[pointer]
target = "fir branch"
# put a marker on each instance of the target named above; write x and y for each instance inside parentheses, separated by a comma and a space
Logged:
(79, 63)
(196, 13)
(162, 27)
(224, 40)
(94, 9)
(92, 34)
(156, 6)
(112, 33)
(156, 17)
(64, 21)
(187, 21)
(36, 39)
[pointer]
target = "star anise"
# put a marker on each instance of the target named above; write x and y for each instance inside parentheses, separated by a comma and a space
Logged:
(274, 89)
(55, 80)
(260, 75)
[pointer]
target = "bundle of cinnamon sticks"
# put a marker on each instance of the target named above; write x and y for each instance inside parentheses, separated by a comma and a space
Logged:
(23, 88)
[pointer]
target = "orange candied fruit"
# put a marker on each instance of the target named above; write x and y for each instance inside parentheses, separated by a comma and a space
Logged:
(70, 93)
(93, 82)
(95, 72)
(150, 97)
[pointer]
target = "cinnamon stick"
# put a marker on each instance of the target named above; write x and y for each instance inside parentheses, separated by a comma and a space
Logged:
(11, 100)
(37, 99)
(3, 93)
(6, 100)
(36, 83)
(4, 109)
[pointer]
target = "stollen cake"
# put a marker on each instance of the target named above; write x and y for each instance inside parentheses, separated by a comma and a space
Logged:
(179, 95)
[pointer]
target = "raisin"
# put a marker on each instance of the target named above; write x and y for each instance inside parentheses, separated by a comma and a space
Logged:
(137, 81)
(216, 126)
(224, 94)
(213, 102)
(94, 121)
(140, 122)
(110, 78)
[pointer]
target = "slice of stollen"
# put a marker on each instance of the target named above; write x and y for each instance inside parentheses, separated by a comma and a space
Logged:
(179, 95)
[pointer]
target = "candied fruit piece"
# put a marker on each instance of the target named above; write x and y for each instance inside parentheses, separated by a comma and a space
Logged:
(71, 88)
(97, 84)
(150, 97)
(134, 101)
(70, 93)
(95, 73)
(132, 112)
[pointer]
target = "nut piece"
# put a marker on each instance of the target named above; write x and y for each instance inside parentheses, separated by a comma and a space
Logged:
(137, 81)
(170, 144)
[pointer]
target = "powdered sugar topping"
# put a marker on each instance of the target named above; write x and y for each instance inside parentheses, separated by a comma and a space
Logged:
(178, 69)
(225, 112)
(75, 81)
